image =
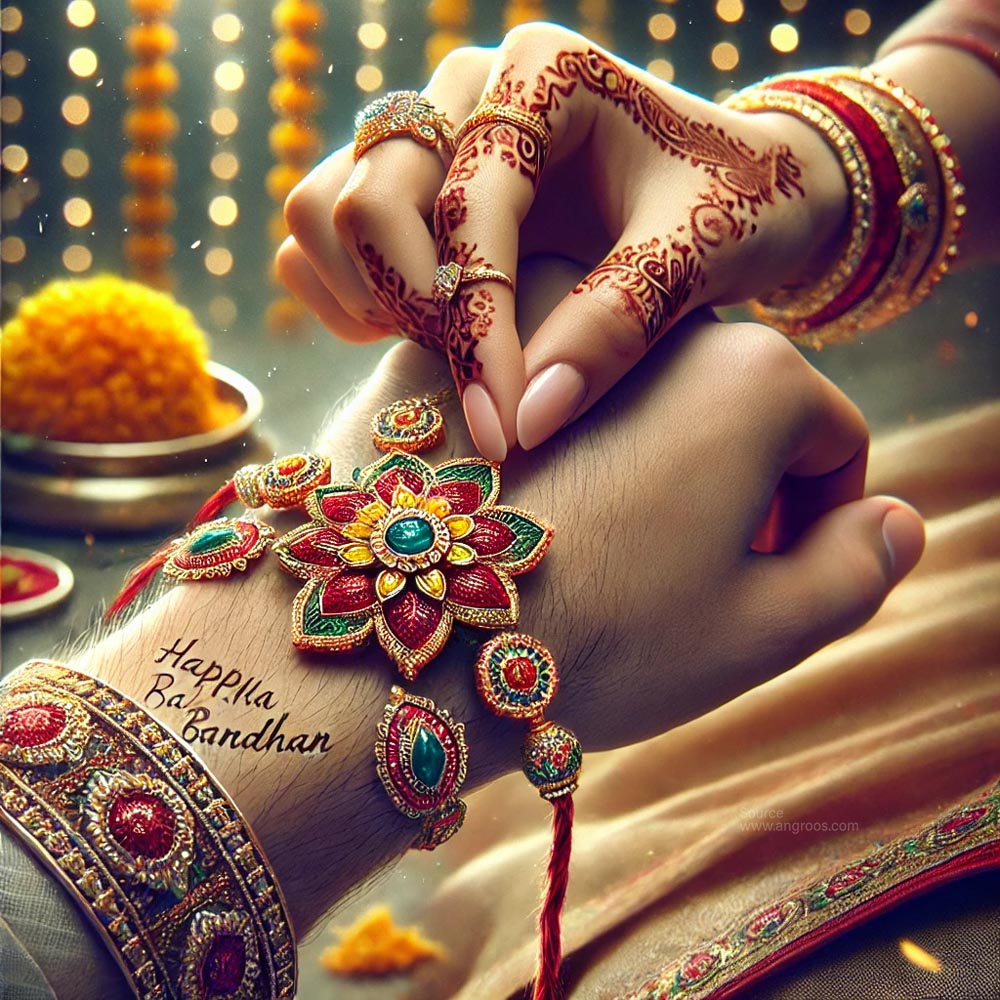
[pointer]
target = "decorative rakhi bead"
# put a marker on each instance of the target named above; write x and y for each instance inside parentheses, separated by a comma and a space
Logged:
(286, 482)
(421, 759)
(246, 484)
(217, 548)
(551, 759)
(411, 425)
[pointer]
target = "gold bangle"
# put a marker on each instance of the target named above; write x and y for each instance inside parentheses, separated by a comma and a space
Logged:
(145, 840)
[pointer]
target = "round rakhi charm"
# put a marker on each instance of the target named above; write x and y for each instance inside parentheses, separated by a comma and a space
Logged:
(217, 548)
(286, 482)
(42, 729)
(409, 425)
(421, 758)
(516, 676)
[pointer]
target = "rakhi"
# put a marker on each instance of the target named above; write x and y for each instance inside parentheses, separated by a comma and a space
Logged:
(402, 552)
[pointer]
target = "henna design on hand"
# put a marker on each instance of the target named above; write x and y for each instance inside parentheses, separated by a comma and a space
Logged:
(468, 320)
(416, 315)
(654, 280)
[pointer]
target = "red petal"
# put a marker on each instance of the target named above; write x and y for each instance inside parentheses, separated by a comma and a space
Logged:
(464, 496)
(477, 587)
(412, 618)
(318, 547)
(347, 592)
(387, 482)
(489, 537)
(343, 507)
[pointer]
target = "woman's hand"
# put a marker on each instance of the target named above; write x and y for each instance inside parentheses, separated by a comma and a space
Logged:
(669, 201)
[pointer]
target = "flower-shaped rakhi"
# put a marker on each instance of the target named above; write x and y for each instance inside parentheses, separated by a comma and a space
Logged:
(406, 550)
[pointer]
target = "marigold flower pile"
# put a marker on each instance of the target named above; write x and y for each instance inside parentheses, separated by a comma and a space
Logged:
(103, 359)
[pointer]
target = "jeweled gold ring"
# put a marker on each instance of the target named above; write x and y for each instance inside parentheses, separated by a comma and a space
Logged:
(401, 113)
(448, 278)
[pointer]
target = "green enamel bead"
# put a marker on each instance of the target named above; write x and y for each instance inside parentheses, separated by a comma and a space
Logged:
(212, 540)
(409, 536)
(427, 758)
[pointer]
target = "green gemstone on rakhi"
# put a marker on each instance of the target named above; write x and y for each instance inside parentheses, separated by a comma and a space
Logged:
(212, 540)
(427, 758)
(409, 536)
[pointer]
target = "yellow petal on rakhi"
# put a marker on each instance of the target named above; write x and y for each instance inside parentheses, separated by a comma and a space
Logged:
(460, 554)
(432, 583)
(371, 512)
(389, 583)
(356, 555)
(358, 530)
(402, 497)
(459, 525)
(437, 506)
(375, 946)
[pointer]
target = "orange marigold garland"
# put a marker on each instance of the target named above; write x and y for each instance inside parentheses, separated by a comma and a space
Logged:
(150, 126)
(295, 139)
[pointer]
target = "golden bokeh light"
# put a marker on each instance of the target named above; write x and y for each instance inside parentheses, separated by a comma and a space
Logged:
(663, 68)
(218, 261)
(75, 163)
(223, 210)
(11, 204)
(11, 19)
(372, 35)
(729, 11)
(971, 319)
(227, 27)
(222, 310)
(13, 63)
(229, 75)
(77, 212)
(83, 62)
(857, 21)
(368, 78)
(11, 109)
(14, 157)
(81, 13)
(224, 121)
(918, 956)
(12, 292)
(225, 166)
(662, 27)
(725, 56)
(793, 6)
(76, 109)
(12, 250)
(784, 38)
(77, 258)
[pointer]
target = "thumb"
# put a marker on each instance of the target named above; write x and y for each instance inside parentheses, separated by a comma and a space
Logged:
(836, 576)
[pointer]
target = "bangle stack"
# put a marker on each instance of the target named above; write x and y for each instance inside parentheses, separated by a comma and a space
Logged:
(144, 839)
(906, 202)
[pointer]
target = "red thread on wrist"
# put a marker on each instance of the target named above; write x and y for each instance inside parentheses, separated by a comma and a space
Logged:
(547, 985)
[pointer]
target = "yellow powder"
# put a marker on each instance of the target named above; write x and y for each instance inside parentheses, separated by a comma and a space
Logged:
(103, 359)
(375, 946)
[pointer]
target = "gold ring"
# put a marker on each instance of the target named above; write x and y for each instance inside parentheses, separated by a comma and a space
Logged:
(496, 114)
(448, 278)
(401, 112)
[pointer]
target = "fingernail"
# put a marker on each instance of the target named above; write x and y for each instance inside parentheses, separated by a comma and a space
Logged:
(903, 533)
(484, 422)
(552, 397)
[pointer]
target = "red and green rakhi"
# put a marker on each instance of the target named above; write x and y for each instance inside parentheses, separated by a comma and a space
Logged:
(217, 548)
(409, 425)
(405, 551)
(422, 759)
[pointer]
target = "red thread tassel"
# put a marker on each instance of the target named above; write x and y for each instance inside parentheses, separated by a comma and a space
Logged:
(547, 985)
(215, 505)
(137, 580)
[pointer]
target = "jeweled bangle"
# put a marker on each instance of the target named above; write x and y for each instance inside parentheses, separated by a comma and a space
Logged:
(916, 204)
(803, 301)
(144, 839)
